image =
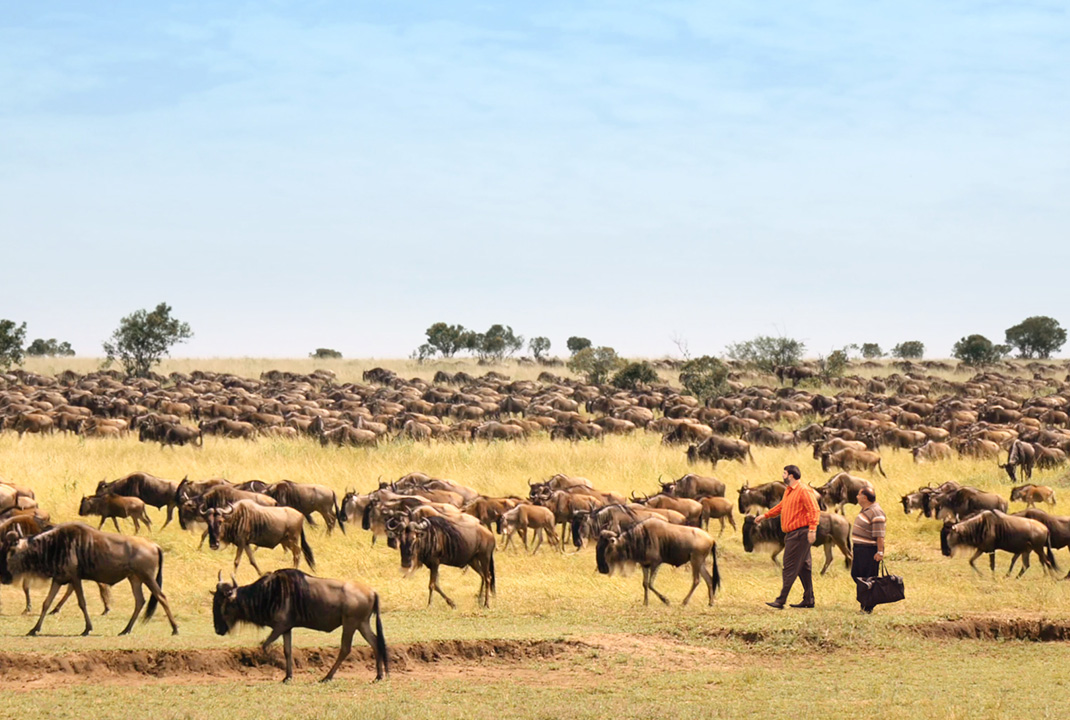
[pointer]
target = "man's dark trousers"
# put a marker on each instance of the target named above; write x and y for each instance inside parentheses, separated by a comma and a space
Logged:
(797, 564)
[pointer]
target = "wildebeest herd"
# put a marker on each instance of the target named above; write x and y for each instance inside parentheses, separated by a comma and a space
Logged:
(435, 522)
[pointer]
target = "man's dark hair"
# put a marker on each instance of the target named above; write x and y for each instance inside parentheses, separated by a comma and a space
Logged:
(794, 471)
(869, 493)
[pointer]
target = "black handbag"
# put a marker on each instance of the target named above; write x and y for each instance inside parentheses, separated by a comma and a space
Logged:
(880, 590)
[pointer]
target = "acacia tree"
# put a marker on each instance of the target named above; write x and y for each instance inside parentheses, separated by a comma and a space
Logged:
(977, 350)
(871, 350)
(768, 353)
(143, 338)
(12, 337)
(909, 350)
(596, 364)
(705, 377)
(49, 348)
(539, 346)
(577, 343)
(1038, 336)
(446, 339)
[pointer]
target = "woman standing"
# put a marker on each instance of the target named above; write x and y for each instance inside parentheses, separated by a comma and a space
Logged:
(867, 536)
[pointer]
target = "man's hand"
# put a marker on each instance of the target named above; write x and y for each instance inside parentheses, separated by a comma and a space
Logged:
(758, 520)
(811, 536)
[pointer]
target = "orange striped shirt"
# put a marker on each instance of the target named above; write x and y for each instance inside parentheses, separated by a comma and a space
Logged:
(797, 509)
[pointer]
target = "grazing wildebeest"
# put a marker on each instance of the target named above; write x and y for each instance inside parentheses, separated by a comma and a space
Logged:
(841, 489)
(1021, 454)
(285, 599)
(931, 452)
(307, 499)
(521, 518)
(961, 502)
(73, 552)
(690, 509)
(764, 496)
(831, 529)
(993, 530)
(489, 510)
(438, 540)
(717, 448)
(115, 507)
(850, 459)
(654, 542)
(694, 486)
(1032, 494)
(150, 489)
(245, 524)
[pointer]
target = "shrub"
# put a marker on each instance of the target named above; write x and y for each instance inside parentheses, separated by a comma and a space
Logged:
(909, 350)
(595, 364)
(12, 337)
(325, 354)
(768, 353)
(634, 374)
(705, 377)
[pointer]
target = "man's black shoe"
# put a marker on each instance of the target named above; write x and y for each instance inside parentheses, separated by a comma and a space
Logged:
(778, 606)
(802, 605)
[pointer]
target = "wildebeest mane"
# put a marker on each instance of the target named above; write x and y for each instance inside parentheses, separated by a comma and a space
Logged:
(259, 602)
(442, 544)
(53, 551)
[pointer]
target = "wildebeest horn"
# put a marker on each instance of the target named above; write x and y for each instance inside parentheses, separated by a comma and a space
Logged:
(233, 580)
(219, 578)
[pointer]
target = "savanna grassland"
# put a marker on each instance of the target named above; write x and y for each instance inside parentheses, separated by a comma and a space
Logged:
(559, 640)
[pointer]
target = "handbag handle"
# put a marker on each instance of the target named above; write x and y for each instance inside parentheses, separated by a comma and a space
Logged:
(884, 570)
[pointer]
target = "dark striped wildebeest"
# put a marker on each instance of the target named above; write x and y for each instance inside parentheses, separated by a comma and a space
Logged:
(655, 542)
(73, 552)
(993, 530)
(455, 541)
(246, 523)
(285, 599)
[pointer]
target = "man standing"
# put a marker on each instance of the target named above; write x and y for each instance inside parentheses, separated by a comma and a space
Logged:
(867, 536)
(799, 513)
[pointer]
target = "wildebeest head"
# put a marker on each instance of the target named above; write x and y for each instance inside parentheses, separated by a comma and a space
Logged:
(215, 518)
(1019, 492)
(606, 551)
(7, 544)
(224, 608)
(410, 534)
(86, 506)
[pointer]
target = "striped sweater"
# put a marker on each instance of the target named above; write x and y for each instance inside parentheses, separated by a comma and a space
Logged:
(869, 525)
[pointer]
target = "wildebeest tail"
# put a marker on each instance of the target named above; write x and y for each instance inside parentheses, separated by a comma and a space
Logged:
(338, 513)
(715, 573)
(306, 550)
(154, 600)
(380, 641)
(493, 587)
(1051, 555)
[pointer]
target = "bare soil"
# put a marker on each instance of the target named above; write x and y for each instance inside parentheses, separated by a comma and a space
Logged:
(996, 627)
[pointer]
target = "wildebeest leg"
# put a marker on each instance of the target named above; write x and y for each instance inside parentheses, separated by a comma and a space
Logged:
(722, 526)
(1025, 563)
(372, 640)
(288, 649)
(646, 585)
(650, 584)
(80, 594)
(155, 589)
(252, 560)
(237, 558)
(434, 587)
(538, 540)
(139, 602)
(67, 593)
(44, 607)
(974, 558)
(695, 574)
(828, 556)
(137, 526)
(347, 645)
(115, 522)
(707, 577)
(26, 590)
(170, 511)
(508, 539)
(102, 521)
(105, 597)
(1014, 560)
(992, 561)
(775, 553)
(524, 537)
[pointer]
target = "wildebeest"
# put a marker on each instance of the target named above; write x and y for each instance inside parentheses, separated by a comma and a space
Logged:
(694, 486)
(150, 489)
(931, 452)
(285, 599)
(717, 448)
(961, 502)
(717, 508)
(831, 529)
(1032, 494)
(842, 489)
(764, 496)
(1020, 454)
(654, 542)
(850, 459)
(245, 524)
(1058, 528)
(689, 508)
(307, 499)
(489, 510)
(73, 552)
(435, 541)
(524, 517)
(115, 507)
(993, 530)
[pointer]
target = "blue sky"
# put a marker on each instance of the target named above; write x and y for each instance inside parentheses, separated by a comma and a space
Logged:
(296, 175)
